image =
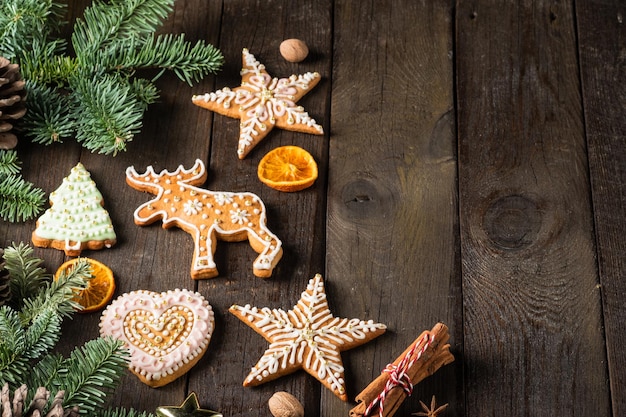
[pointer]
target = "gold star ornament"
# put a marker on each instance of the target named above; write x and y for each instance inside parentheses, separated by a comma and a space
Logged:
(262, 103)
(306, 337)
(189, 408)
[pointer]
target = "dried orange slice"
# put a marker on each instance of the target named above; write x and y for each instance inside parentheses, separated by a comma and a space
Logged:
(287, 168)
(100, 287)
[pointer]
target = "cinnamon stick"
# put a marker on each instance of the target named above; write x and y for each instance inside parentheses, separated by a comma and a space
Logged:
(430, 352)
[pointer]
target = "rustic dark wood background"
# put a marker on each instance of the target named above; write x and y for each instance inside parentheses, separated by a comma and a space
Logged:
(473, 172)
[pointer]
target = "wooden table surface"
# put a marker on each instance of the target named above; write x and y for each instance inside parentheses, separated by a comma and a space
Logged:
(472, 172)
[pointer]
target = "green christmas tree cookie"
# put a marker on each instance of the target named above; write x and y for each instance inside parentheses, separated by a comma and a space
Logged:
(76, 219)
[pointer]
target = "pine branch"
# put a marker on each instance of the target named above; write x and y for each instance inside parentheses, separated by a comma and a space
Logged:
(20, 200)
(9, 164)
(57, 294)
(189, 62)
(145, 91)
(44, 62)
(106, 23)
(19, 346)
(48, 117)
(27, 338)
(43, 333)
(77, 95)
(13, 365)
(95, 369)
(122, 412)
(26, 275)
(24, 22)
(47, 372)
(109, 114)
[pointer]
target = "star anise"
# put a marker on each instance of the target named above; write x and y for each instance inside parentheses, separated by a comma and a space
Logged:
(433, 411)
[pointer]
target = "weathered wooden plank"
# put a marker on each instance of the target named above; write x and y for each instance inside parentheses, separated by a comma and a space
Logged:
(392, 244)
(296, 218)
(533, 325)
(602, 42)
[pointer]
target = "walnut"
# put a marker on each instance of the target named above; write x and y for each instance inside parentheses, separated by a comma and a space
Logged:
(283, 404)
(294, 50)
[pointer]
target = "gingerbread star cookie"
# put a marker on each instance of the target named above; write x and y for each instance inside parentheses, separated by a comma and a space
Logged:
(306, 337)
(262, 103)
(166, 333)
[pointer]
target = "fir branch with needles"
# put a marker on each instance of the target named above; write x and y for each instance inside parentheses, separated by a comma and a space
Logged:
(9, 163)
(29, 333)
(58, 294)
(20, 200)
(93, 370)
(121, 412)
(26, 274)
(92, 95)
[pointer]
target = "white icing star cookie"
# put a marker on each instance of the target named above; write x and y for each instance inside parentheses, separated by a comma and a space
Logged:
(167, 333)
(306, 337)
(262, 103)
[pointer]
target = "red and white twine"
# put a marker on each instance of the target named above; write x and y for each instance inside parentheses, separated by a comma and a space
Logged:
(398, 376)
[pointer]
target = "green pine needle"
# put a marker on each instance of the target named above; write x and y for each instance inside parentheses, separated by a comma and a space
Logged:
(13, 363)
(145, 91)
(96, 369)
(20, 200)
(93, 95)
(123, 412)
(26, 274)
(48, 117)
(46, 373)
(24, 22)
(28, 337)
(106, 23)
(110, 113)
(9, 163)
(189, 62)
(58, 294)
(43, 333)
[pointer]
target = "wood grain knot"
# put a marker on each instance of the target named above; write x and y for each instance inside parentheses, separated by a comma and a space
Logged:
(364, 199)
(512, 222)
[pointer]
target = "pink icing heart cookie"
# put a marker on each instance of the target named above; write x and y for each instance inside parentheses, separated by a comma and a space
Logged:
(166, 333)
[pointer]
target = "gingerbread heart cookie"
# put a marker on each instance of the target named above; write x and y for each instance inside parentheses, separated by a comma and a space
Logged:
(166, 333)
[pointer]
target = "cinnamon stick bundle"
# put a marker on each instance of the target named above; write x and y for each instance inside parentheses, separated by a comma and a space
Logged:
(428, 353)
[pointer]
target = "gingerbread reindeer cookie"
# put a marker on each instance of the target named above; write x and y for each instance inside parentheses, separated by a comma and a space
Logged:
(207, 216)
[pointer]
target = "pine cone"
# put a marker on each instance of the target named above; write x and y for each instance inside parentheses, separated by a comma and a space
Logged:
(12, 107)
(16, 408)
(5, 287)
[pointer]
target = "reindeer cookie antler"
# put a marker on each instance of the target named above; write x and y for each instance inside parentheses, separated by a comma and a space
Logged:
(207, 216)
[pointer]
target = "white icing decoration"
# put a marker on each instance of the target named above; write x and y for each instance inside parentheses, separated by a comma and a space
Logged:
(192, 207)
(239, 216)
